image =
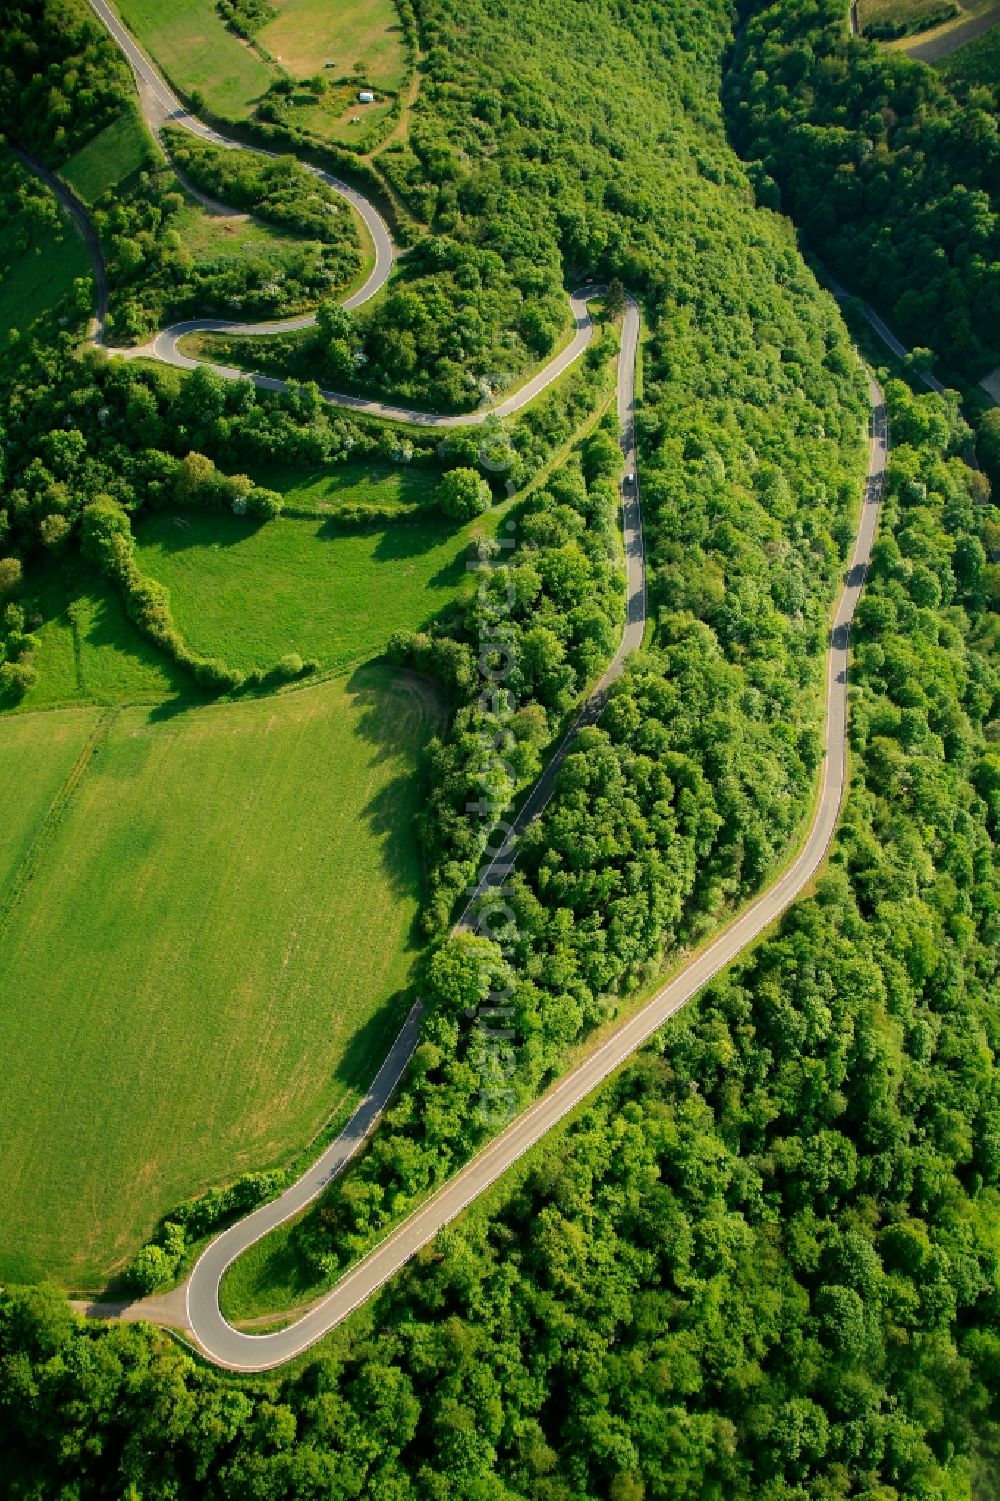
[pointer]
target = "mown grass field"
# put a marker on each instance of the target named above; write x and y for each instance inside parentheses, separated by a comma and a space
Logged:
(37, 273)
(306, 35)
(252, 593)
(206, 963)
(328, 488)
(198, 53)
(49, 745)
(118, 151)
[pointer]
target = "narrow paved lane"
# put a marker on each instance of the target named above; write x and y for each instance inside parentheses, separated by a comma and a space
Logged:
(220, 1342)
(161, 106)
(229, 1347)
(78, 213)
(165, 348)
(885, 333)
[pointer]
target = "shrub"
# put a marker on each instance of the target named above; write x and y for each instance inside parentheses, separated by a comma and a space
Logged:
(265, 504)
(152, 1268)
(199, 1216)
(54, 530)
(15, 680)
(211, 672)
(106, 535)
(197, 481)
(462, 494)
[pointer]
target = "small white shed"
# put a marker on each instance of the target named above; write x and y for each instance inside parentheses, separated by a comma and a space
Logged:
(366, 97)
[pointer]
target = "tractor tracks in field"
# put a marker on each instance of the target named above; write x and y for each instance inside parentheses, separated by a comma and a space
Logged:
(52, 819)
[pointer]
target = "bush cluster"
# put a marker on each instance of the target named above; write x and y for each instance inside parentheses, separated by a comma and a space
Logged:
(246, 17)
(157, 1263)
(278, 189)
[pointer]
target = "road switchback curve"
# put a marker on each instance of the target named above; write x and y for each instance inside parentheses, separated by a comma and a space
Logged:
(233, 1348)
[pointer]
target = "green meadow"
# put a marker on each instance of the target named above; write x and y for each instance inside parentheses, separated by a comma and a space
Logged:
(324, 47)
(113, 158)
(51, 745)
(198, 53)
(307, 35)
(251, 593)
(88, 649)
(109, 158)
(207, 909)
(208, 957)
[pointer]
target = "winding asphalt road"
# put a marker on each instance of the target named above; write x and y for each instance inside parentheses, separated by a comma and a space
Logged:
(165, 348)
(161, 106)
(249, 1352)
(230, 1347)
(217, 1338)
(499, 866)
(78, 214)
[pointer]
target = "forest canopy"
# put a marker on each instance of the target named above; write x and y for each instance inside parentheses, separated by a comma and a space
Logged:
(765, 1259)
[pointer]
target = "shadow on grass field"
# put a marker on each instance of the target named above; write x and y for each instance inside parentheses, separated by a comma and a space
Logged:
(252, 593)
(89, 650)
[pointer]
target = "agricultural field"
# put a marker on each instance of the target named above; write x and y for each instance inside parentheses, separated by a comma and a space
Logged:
(51, 745)
(976, 62)
(928, 29)
(199, 985)
(40, 259)
(326, 49)
(113, 156)
(887, 19)
(362, 37)
(250, 593)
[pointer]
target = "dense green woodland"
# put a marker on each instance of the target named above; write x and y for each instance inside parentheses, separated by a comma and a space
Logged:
(893, 179)
(765, 1260)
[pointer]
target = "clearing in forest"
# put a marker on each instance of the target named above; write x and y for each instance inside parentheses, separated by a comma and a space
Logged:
(250, 593)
